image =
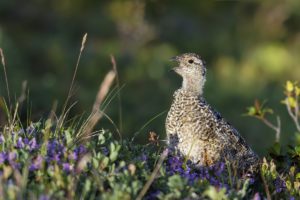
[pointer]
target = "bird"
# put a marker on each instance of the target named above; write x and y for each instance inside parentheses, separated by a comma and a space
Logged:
(197, 131)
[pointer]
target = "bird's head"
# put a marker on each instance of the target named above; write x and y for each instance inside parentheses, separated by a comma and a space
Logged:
(190, 65)
(193, 71)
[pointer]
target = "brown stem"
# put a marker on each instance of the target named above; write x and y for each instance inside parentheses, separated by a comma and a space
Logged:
(277, 128)
(266, 187)
(153, 175)
(294, 116)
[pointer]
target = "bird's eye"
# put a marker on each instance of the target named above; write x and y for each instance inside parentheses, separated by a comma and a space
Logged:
(191, 61)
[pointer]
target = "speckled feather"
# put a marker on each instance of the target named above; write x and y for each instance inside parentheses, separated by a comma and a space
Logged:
(197, 131)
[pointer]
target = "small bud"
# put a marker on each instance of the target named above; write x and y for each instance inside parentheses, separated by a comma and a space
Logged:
(291, 102)
(264, 166)
(289, 86)
(297, 91)
(132, 169)
(288, 185)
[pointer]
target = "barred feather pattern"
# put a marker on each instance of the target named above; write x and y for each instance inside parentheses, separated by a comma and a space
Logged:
(195, 130)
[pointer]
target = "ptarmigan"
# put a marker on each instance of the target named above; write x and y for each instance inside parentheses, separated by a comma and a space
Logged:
(195, 129)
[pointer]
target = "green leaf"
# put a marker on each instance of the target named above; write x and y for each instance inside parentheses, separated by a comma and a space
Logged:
(104, 162)
(68, 136)
(95, 163)
(215, 194)
(176, 182)
(298, 175)
(87, 185)
(251, 111)
(275, 149)
(101, 139)
(297, 149)
(297, 90)
(267, 110)
(113, 156)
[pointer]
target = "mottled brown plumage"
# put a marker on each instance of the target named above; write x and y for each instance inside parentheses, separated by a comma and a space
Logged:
(196, 130)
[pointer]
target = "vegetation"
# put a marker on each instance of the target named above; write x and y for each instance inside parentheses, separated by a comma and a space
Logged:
(42, 162)
(63, 154)
(64, 159)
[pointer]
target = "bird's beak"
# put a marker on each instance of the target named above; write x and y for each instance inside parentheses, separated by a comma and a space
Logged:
(175, 58)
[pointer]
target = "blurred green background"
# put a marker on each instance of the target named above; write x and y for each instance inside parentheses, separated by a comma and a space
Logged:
(251, 49)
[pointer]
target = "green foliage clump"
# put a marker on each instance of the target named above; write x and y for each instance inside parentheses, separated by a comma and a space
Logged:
(41, 163)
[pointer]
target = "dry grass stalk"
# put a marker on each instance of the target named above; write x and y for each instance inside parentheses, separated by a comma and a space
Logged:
(96, 114)
(64, 113)
(114, 65)
(5, 76)
(23, 95)
(103, 89)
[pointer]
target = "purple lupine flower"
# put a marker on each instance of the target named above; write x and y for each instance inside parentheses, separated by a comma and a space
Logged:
(213, 181)
(143, 157)
(192, 177)
(105, 151)
(256, 196)
(67, 167)
(203, 173)
(77, 152)
(73, 156)
(12, 160)
(152, 195)
(2, 139)
(80, 149)
(30, 129)
(51, 147)
(36, 164)
(20, 144)
(11, 156)
(3, 157)
(56, 157)
(21, 131)
(26, 141)
(175, 165)
(44, 197)
(32, 144)
(251, 180)
(219, 168)
(279, 185)
(54, 151)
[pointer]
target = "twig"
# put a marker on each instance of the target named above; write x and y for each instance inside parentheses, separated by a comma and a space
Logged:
(292, 115)
(297, 106)
(153, 175)
(277, 128)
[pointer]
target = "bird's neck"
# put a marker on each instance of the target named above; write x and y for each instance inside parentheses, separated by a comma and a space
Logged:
(193, 86)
